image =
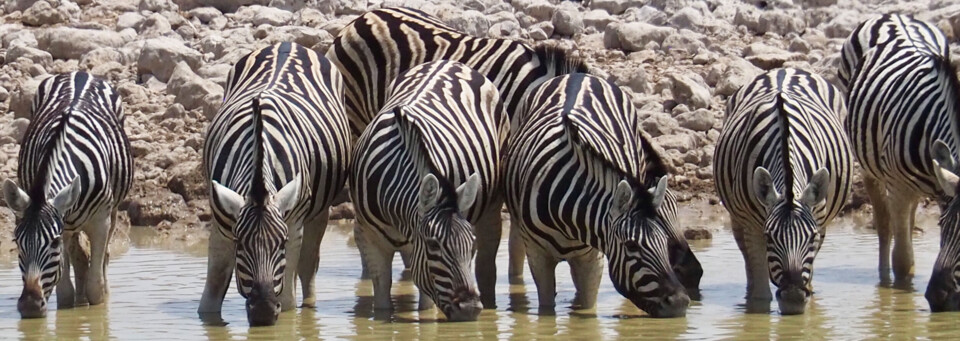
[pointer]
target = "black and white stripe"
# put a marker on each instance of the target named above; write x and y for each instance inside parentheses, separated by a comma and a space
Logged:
(76, 167)
(582, 178)
(782, 166)
(276, 154)
(903, 104)
(425, 180)
(379, 45)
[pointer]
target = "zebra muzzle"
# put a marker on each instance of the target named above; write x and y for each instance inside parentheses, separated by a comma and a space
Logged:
(32, 303)
(942, 293)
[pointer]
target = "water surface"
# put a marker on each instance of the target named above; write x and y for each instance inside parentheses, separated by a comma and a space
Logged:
(155, 292)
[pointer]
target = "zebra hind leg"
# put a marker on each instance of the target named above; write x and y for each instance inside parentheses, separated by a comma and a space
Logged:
(221, 259)
(488, 231)
(881, 221)
(310, 257)
(517, 254)
(543, 267)
(902, 220)
(379, 255)
(98, 233)
(587, 272)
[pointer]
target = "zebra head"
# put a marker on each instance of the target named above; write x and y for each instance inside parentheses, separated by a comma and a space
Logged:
(39, 243)
(943, 292)
(792, 236)
(638, 249)
(261, 235)
(443, 248)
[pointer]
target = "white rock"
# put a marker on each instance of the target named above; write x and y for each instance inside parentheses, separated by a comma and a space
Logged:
(658, 124)
(204, 14)
(567, 19)
(645, 14)
(684, 41)
(611, 6)
(155, 25)
(505, 29)
(687, 17)
(42, 13)
(101, 56)
(19, 37)
(635, 36)
(306, 36)
(190, 89)
(697, 120)
(19, 128)
(157, 5)
(739, 72)
(768, 57)
(22, 97)
(129, 20)
(37, 56)
(633, 78)
(681, 142)
(541, 31)
(350, 7)
(215, 72)
(225, 6)
(597, 18)
(842, 25)
(160, 56)
(780, 23)
(539, 9)
(73, 43)
(470, 22)
(257, 15)
(690, 89)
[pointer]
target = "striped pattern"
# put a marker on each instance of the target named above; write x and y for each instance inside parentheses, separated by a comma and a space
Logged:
(75, 141)
(441, 120)
(379, 45)
(282, 122)
(583, 177)
(903, 99)
(786, 122)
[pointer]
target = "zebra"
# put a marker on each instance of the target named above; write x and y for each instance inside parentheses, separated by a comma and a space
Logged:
(783, 172)
(582, 178)
(425, 180)
(76, 167)
(376, 47)
(276, 154)
(902, 122)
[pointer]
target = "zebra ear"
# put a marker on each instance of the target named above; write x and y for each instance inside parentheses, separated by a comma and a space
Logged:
(288, 196)
(763, 187)
(659, 192)
(622, 198)
(946, 178)
(942, 155)
(67, 196)
(16, 198)
(467, 193)
(816, 190)
(230, 201)
(429, 192)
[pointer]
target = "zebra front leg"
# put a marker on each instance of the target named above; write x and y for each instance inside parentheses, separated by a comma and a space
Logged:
(488, 232)
(543, 267)
(98, 234)
(379, 255)
(516, 254)
(587, 272)
(753, 246)
(221, 259)
(877, 193)
(310, 257)
(902, 221)
(66, 297)
(288, 295)
(80, 261)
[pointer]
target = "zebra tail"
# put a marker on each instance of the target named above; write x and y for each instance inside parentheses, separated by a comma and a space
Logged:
(258, 190)
(784, 119)
(559, 62)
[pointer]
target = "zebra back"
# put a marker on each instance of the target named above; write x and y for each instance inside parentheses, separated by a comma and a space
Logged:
(76, 132)
(919, 35)
(377, 46)
(787, 121)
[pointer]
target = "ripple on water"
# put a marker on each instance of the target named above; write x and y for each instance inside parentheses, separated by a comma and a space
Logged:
(155, 293)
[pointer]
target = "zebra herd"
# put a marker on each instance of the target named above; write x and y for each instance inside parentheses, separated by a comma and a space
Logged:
(431, 132)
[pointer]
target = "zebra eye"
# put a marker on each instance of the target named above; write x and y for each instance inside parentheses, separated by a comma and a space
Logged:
(433, 244)
(55, 243)
(632, 246)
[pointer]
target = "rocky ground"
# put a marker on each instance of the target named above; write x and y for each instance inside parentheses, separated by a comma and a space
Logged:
(679, 60)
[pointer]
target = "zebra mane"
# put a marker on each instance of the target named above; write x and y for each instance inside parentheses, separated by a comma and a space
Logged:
(945, 66)
(258, 189)
(784, 119)
(558, 62)
(414, 138)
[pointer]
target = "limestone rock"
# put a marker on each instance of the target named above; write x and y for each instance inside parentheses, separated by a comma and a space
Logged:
(567, 19)
(690, 89)
(471, 22)
(160, 56)
(635, 36)
(739, 72)
(697, 120)
(257, 15)
(614, 7)
(73, 43)
(43, 13)
(190, 89)
(37, 56)
(22, 97)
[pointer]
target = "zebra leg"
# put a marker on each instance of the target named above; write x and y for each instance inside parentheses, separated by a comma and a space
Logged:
(310, 257)
(881, 221)
(517, 254)
(488, 231)
(221, 259)
(80, 261)
(753, 246)
(543, 267)
(288, 296)
(65, 292)
(587, 272)
(98, 233)
(902, 218)
(379, 254)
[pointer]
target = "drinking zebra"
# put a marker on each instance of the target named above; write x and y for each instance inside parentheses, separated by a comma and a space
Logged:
(582, 178)
(425, 180)
(782, 168)
(76, 167)
(276, 155)
(903, 94)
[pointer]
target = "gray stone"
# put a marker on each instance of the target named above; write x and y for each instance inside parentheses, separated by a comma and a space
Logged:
(42, 13)
(541, 31)
(540, 10)
(470, 22)
(597, 18)
(204, 14)
(841, 26)
(37, 56)
(211, 105)
(611, 6)
(160, 56)
(748, 16)
(658, 124)
(645, 14)
(225, 6)
(635, 36)
(739, 72)
(681, 143)
(129, 20)
(155, 25)
(768, 57)
(215, 72)
(350, 7)
(780, 23)
(697, 120)
(73, 43)
(19, 37)
(306, 36)
(22, 97)
(190, 89)
(684, 41)
(567, 19)
(505, 29)
(157, 5)
(101, 56)
(257, 15)
(690, 89)
(688, 18)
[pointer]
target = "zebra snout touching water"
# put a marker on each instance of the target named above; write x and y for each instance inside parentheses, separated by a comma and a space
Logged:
(425, 180)
(903, 105)
(782, 169)
(583, 179)
(276, 156)
(76, 167)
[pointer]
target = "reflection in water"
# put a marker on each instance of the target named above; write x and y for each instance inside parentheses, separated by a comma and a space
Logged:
(155, 293)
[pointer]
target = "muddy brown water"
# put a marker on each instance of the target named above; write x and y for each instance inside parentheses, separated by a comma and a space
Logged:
(155, 292)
